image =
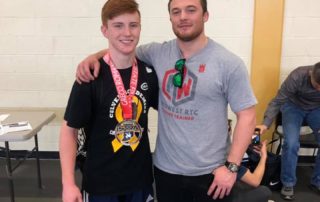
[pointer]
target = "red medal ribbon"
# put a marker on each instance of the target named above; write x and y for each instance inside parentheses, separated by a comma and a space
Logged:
(125, 100)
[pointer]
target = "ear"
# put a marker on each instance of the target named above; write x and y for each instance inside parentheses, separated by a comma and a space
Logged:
(104, 31)
(205, 16)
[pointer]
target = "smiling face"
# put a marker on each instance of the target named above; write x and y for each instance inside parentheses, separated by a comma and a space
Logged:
(123, 32)
(187, 18)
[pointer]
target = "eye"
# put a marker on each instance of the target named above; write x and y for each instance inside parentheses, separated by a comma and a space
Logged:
(191, 10)
(118, 25)
(175, 12)
(134, 25)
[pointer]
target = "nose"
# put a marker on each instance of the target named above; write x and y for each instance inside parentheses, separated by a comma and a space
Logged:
(183, 15)
(127, 31)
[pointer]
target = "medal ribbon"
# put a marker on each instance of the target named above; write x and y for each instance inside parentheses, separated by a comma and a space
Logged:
(125, 100)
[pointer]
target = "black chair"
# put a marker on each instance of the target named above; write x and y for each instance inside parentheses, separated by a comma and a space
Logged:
(307, 138)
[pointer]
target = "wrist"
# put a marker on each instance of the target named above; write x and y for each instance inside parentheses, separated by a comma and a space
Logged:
(263, 157)
(232, 167)
(70, 181)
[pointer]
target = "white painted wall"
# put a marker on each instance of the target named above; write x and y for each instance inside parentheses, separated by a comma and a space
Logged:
(301, 38)
(41, 43)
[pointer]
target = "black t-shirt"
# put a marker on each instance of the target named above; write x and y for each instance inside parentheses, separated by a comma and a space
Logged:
(111, 169)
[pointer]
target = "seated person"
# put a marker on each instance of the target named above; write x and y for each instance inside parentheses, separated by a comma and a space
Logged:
(244, 174)
(298, 99)
(254, 178)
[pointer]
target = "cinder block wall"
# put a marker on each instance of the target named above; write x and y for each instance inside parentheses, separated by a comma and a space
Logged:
(301, 36)
(41, 43)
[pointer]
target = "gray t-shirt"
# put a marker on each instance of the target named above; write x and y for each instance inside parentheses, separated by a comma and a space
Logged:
(297, 89)
(192, 129)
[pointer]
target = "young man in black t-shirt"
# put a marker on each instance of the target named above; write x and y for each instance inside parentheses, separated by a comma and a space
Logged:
(113, 112)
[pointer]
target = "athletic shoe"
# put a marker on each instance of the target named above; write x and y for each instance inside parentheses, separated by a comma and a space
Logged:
(287, 193)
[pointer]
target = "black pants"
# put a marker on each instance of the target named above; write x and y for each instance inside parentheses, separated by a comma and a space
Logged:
(179, 188)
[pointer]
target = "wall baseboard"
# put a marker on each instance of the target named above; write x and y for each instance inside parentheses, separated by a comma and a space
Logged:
(18, 154)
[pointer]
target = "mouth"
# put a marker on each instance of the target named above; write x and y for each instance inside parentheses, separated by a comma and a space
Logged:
(184, 26)
(126, 41)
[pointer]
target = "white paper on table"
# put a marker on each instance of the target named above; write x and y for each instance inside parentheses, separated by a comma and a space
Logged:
(3, 117)
(13, 127)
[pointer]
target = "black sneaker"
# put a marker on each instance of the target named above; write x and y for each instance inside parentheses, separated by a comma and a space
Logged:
(315, 188)
(287, 193)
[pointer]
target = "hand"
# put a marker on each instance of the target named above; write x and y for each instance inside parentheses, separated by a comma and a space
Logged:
(222, 183)
(71, 193)
(263, 128)
(83, 71)
(261, 149)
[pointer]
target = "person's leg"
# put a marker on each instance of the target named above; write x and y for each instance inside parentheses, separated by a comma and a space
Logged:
(145, 195)
(199, 186)
(292, 118)
(170, 188)
(98, 198)
(176, 188)
(240, 192)
(313, 120)
(251, 194)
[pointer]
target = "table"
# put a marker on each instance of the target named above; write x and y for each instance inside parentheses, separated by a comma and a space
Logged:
(37, 120)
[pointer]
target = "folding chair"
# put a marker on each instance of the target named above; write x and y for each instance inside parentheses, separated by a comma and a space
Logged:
(307, 138)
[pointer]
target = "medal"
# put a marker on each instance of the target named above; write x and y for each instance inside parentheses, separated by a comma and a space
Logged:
(128, 132)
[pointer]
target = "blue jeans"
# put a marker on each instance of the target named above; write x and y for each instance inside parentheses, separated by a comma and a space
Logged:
(292, 118)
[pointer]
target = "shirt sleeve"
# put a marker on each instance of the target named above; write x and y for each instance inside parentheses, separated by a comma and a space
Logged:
(288, 88)
(147, 52)
(242, 170)
(240, 94)
(78, 110)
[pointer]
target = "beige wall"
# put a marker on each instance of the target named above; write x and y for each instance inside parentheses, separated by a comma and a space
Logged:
(301, 36)
(41, 42)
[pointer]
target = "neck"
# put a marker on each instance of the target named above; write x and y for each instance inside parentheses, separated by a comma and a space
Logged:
(122, 61)
(189, 48)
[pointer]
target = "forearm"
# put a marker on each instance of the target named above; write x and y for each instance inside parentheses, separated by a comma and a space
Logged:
(246, 121)
(259, 171)
(287, 90)
(101, 53)
(68, 148)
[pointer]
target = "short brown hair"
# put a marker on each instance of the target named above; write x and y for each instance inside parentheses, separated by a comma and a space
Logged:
(203, 4)
(113, 8)
(316, 72)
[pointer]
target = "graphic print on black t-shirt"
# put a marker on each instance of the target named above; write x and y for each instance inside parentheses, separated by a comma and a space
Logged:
(133, 136)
